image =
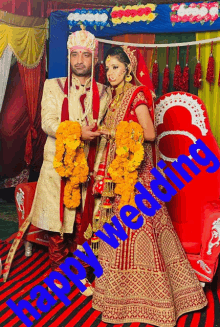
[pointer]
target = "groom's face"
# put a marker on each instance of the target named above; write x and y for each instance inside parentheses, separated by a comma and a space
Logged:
(81, 62)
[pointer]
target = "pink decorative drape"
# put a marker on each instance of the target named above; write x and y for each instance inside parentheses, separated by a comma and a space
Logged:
(31, 79)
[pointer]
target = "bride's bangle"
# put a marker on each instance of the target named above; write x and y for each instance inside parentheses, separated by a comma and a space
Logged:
(98, 178)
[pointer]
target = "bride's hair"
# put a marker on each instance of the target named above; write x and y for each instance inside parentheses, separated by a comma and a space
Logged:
(119, 53)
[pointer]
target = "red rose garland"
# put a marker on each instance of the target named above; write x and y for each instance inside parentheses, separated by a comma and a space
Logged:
(184, 83)
(177, 72)
(166, 75)
(210, 75)
(155, 72)
(198, 73)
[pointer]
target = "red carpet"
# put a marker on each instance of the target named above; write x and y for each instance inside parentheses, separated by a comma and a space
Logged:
(28, 272)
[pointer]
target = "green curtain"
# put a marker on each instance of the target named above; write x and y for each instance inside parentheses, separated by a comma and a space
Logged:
(211, 97)
(176, 38)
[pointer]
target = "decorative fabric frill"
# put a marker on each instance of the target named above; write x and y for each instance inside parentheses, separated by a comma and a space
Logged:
(27, 43)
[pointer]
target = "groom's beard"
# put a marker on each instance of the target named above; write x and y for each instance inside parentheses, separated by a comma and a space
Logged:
(81, 71)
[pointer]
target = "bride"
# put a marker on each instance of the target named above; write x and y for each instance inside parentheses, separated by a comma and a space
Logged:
(147, 278)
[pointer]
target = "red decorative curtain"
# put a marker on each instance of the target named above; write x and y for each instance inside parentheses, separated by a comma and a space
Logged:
(14, 126)
(31, 79)
(39, 142)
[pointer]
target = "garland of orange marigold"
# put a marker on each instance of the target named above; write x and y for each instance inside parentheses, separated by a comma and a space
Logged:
(129, 155)
(70, 161)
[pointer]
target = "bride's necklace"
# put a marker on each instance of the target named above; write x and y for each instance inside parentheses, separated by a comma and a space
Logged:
(118, 92)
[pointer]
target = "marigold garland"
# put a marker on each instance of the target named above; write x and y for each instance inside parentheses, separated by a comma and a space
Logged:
(70, 161)
(129, 155)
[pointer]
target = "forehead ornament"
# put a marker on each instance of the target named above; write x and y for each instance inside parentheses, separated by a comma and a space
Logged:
(108, 58)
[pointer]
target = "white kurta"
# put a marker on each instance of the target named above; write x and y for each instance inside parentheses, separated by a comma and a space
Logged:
(45, 212)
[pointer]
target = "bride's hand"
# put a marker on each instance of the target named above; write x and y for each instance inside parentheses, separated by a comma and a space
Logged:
(104, 132)
(94, 187)
(98, 187)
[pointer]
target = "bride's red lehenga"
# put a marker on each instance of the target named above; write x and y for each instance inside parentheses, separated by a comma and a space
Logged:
(148, 278)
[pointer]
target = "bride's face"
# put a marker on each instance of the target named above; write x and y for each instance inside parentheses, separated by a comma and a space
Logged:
(115, 70)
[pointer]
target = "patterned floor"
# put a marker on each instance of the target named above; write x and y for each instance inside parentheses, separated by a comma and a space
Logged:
(28, 272)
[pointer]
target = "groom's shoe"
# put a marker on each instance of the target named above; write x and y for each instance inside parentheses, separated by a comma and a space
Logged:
(89, 290)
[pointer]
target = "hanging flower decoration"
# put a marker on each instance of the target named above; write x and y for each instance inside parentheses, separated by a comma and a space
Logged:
(129, 155)
(177, 72)
(89, 17)
(133, 14)
(210, 75)
(198, 72)
(70, 161)
(184, 82)
(155, 72)
(194, 13)
(166, 74)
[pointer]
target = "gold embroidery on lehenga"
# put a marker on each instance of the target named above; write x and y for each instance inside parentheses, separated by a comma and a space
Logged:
(171, 251)
(88, 233)
(143, 257)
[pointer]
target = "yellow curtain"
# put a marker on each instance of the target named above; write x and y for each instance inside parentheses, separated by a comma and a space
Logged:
(26, 43)
(211, 98)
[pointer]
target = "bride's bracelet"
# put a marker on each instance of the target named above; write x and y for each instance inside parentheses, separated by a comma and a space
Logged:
(111, 133)
(101, 172)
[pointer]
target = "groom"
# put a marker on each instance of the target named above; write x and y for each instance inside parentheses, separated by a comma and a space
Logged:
(85, 101)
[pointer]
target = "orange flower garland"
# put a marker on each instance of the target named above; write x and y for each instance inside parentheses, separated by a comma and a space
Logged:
(129, 155)
(70, 161)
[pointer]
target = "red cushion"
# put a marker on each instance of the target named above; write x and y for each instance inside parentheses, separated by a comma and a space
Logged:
(191, 248)
(181, 119)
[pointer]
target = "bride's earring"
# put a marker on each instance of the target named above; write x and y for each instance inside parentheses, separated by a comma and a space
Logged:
(128, 78)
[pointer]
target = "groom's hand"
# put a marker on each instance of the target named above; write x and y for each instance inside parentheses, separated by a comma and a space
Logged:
(87, 134)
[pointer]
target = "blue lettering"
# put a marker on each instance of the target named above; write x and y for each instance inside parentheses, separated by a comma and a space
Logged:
(60, 292)
(169, 173)
(127, 219)
(177, 165)
(90, 259)
(44, 295)
(161, 181)
(111, 232)
(145, 195)
(75, 278)
(209, 156)
(18, 310)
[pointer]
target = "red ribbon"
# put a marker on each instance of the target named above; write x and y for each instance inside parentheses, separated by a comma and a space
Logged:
(64, 116)
(89, 202)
